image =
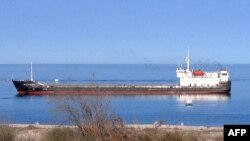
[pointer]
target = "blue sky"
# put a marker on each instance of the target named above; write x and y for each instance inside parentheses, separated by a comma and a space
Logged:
(124, 31)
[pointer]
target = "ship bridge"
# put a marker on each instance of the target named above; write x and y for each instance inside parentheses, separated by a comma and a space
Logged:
(200, 78)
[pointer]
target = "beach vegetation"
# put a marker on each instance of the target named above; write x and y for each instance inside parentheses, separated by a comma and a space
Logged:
(7, 133)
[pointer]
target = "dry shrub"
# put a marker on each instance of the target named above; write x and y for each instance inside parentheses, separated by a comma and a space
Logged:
(97, 122)
(62, 134)
(163, 135)
(94, 118)
(6, 133)
(171, 136)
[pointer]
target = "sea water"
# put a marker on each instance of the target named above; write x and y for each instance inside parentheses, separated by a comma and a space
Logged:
(208, 110)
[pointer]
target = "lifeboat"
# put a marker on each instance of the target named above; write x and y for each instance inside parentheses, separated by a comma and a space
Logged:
(198, 73)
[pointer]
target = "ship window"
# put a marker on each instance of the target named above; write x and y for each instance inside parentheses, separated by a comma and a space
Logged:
(224, 74)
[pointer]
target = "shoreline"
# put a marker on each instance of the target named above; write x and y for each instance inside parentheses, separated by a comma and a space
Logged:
(141, 126)
(37, 131)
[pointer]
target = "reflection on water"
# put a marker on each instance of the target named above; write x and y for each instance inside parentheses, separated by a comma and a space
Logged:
(178, 98)
(214, 97)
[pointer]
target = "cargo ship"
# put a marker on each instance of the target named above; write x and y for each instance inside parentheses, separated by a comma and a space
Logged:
(190, 82)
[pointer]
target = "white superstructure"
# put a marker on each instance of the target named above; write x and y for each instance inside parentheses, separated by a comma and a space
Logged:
(199, 78)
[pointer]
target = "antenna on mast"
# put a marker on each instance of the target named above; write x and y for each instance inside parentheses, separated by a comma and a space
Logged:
(188, 60)
(31, 72)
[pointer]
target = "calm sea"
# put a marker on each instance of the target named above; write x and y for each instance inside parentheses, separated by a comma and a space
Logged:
(207, 110)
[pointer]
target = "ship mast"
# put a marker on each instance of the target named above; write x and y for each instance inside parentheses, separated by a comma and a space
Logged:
(31, 72)
(187, 61)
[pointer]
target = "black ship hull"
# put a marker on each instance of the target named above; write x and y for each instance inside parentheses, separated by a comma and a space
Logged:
(28, 87)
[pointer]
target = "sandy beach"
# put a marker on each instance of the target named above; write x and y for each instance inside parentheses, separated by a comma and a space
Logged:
(36, 131)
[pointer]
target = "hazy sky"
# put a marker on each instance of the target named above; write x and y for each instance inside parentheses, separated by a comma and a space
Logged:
(124, 31)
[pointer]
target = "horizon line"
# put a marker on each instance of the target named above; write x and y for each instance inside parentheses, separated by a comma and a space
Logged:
(124, 64)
